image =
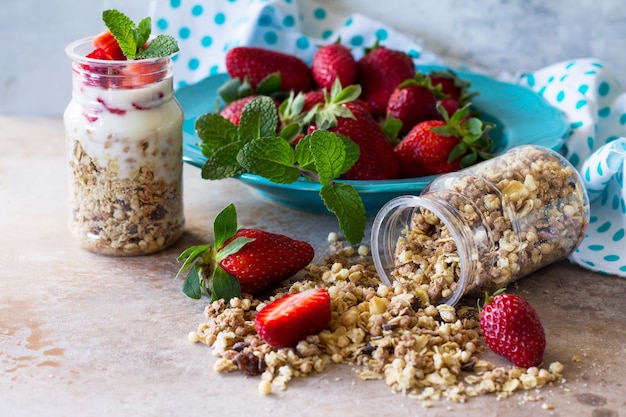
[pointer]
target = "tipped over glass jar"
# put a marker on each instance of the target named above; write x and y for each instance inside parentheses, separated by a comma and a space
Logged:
(123, 131)
(481, 228)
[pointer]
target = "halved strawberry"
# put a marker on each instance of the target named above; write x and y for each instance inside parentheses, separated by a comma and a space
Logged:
(108, 44)
(286, 321)
(99, 53)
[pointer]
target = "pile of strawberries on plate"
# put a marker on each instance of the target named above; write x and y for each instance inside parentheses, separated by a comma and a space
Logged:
(407, 123)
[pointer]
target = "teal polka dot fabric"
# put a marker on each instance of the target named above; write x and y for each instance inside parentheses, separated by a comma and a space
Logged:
(594, 104)
(206, 29)
(589, 97)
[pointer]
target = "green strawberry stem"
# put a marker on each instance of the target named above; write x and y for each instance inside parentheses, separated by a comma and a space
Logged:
(205, 274)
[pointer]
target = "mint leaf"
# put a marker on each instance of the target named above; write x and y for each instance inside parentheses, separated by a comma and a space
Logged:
(223, 163)
(133, 39)
(345, 202)
(303, 154)
(258, 119)
(272, 158)
(161, 46)
(224, 285)
(215, 132)
(352, 154)
(123, 30)
(329, 154)
(142, 33)
(225, 225)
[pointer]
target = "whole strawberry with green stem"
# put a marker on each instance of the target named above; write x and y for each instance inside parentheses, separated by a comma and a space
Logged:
(333, 61)
(255, 64)
(241, 260)
(453, 86)
(441, 146)
(379, 72)
(414, 101)
(511, 328)
(344, 115)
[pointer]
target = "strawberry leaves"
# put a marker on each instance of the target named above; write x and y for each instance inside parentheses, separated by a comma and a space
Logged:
(254, 146)
(475, 143)
(205, 274)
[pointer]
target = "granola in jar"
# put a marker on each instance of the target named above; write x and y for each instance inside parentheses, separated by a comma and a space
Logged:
(482, 228)
(124, 143)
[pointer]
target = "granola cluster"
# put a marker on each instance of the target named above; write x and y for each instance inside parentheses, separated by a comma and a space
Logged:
(522, 211)
(114, 215)
(390, 333)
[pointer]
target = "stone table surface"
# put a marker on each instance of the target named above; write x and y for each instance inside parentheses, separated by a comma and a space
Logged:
(87, 335)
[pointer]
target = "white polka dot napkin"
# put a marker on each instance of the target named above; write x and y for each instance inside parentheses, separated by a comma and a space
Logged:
(590, 98)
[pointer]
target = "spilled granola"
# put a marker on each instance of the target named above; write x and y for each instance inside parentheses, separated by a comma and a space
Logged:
(390, 333)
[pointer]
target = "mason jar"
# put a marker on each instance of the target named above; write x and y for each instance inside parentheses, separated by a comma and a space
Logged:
(123, 130)
(481, 228)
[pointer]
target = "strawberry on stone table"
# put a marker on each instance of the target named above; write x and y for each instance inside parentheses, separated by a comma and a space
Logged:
(255, 64)
(441, 146)
(511, 328)
(241, 260)
(333, 61)
(379, 72)
(290, 319)
(266, 260)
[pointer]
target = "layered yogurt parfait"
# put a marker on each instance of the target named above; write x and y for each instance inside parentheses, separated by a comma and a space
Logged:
(124, 143)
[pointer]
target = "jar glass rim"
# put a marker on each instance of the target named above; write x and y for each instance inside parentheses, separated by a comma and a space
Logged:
(380, 234)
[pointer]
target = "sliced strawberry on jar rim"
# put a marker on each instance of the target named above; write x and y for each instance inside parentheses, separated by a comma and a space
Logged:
(99, 53)
(108, 43)
(290, 319)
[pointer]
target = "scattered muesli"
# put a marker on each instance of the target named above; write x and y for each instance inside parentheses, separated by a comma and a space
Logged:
(389, 333)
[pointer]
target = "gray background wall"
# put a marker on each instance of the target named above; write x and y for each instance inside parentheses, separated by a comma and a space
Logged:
(500, 35)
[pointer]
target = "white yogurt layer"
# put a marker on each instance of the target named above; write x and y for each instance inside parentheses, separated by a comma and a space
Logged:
(124, 130)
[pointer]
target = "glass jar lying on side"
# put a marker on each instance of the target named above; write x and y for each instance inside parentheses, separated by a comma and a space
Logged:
(124, 142)
(481, 228)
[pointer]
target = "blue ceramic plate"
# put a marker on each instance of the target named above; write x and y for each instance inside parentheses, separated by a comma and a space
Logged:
(521, 117)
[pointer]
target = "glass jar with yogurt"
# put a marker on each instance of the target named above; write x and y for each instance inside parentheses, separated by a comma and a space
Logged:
(124, 146)
(481, 228)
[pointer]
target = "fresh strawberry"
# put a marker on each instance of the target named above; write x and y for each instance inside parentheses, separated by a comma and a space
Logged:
(379, 72)
(256, 64)
(414, 101)
(440, 146)
(241, 260)
(290, 319)
(343, 114)
(512, 329)
(333, 61)
(452, 86)
(108, 44)
(267, 260)
(232, 111)
(99, 53)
